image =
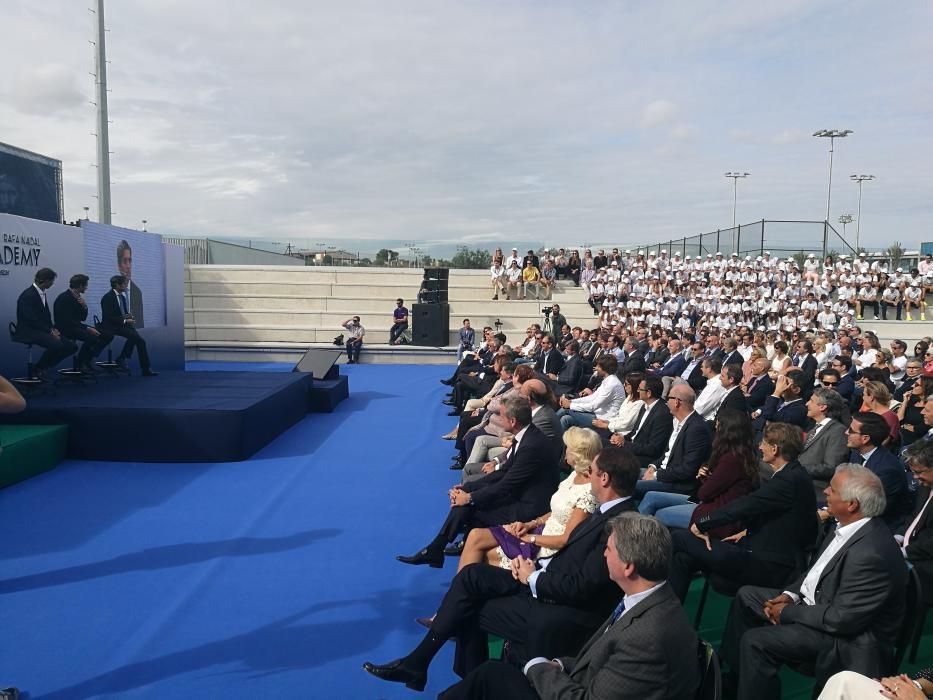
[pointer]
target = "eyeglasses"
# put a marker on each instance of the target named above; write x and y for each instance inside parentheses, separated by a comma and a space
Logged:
(829, 383)
(849, 431)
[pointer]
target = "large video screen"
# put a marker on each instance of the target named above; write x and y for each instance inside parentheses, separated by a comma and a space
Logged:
(138, 256)
(30, 185)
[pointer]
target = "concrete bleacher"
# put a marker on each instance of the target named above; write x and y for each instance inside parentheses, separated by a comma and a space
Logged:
(274, 313)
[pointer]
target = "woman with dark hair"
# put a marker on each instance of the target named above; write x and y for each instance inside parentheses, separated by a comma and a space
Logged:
(781, 360)
(626, 419)
(732, 471)
(920, 350)
(909, 413)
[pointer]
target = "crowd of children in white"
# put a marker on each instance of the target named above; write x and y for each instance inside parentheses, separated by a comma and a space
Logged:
(766, 293)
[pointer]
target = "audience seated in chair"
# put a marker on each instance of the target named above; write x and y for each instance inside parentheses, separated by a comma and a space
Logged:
(548, 610)
(843, 613)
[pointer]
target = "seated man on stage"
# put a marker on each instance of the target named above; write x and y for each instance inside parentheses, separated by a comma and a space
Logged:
(645, 649)
(34, 323)
(117, 320)
(520, 490)
(548, 607)
(70, 314)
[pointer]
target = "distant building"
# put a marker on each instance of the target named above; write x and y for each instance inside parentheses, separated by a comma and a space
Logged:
(334, 257)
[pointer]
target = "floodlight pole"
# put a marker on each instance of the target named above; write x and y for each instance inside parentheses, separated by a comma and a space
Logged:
(103, 133)
(832, 135)
(858, 221)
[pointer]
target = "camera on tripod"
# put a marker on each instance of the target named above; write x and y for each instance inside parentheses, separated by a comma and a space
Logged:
(547, 310)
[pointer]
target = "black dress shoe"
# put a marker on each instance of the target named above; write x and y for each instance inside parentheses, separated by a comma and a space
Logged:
(456, 466)
(447, 382)
(150, 373)
(455, 412)
(424, 621)
(448, 402)
(454, 550)
(396, 672)
(434, 559)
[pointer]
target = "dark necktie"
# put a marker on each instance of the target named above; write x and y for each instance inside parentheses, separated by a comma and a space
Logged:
(856, 458)
(123, 304)
(796, 361)
(616, 614)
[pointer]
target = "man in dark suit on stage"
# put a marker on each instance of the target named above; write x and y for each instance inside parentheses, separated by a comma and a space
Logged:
(645, 650)
(653, 430)
(841, 614)
(70, 314)
(547, 607)
(125, 266)
(519, 490)
(34, 322)
(117, 320)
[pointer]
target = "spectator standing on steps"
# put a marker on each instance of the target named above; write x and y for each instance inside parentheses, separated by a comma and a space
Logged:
(399, 321)
(355, 333)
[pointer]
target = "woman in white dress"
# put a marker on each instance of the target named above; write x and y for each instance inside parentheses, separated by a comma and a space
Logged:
(781, 360)
(571, 504)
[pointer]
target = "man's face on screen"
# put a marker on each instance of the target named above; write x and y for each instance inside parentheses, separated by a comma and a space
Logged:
(125, 264)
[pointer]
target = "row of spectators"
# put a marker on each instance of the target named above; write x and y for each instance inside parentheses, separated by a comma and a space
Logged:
(603, 470)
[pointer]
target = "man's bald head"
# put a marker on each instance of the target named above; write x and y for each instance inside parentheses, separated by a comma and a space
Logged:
(534, 390)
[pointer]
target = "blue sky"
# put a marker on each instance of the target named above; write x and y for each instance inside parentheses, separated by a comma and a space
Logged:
(481, 122)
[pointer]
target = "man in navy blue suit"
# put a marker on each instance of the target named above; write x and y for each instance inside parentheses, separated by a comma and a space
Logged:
(785, 404)
(760, 385)
(675, 363)
(34, 322)
(866, 434)
(846, 386)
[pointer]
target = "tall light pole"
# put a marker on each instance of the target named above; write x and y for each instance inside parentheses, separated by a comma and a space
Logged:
(845, 219)
(832, 135)
(103, 125)
(858, 221)
(735, 190)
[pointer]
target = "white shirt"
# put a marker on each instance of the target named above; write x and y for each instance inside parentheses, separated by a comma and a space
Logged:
(670, 443)
(625, 420)
(648, 408)
(843, 534)
(908, 533)
(708, 401)
(605, 401)
(45, 299)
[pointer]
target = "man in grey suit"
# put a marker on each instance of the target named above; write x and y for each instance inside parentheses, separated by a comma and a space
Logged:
(843, 613)
(645, 650)
(826, 446)
(488, 450)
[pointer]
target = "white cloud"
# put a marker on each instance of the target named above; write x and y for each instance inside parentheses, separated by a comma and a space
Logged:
(657, 113)
(787, 136)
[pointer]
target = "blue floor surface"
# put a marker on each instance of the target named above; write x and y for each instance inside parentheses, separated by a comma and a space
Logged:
(274, 577)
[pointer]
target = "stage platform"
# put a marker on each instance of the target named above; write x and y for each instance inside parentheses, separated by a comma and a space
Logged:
(179, 416)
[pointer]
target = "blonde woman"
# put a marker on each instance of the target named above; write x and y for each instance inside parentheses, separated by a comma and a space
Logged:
(571, 504)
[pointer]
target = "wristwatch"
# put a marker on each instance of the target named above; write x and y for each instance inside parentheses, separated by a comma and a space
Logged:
(533, 539)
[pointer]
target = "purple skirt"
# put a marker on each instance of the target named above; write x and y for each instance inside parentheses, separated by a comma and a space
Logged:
(512, 546)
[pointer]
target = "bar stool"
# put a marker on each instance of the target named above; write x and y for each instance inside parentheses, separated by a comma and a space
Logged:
(31, 381)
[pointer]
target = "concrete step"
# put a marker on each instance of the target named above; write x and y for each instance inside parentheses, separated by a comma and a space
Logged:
(292, 352)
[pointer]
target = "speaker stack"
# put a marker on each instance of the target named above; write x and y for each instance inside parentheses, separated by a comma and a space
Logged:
(431, 319)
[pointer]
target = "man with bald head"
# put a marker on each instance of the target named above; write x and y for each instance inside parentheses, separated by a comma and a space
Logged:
(687, 449)
(760, 385)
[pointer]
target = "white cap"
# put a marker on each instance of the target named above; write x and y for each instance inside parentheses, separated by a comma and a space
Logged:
(614, 263)
(718, 253)
(809, 256)
(767, 252)
(861, 255)
(758, 259)
(664, 252)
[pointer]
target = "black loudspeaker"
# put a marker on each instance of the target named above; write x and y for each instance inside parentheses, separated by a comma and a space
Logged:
(434, 285)
(431, 325)
(436, 273)
(319, 362)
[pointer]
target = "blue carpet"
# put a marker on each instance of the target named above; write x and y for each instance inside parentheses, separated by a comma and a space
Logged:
(275, 577)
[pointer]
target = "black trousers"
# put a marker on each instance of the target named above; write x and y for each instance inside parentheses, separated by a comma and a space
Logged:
(56, 349)
(91, 345)
(492, 680)
(884, 310)
(756, 649)
(728, 560)
(134, 341)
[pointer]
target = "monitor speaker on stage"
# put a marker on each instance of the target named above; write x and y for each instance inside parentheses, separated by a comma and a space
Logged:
(319, 362)
(431, 325)
(436, 273)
